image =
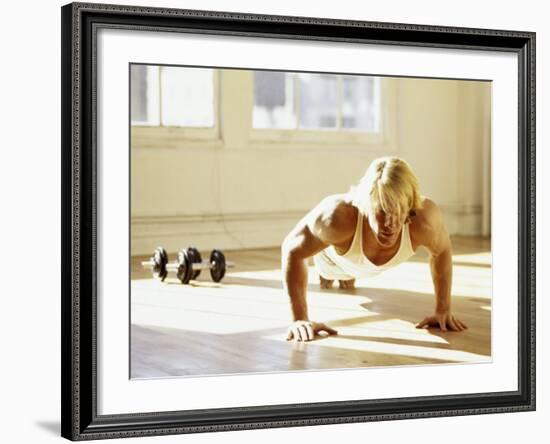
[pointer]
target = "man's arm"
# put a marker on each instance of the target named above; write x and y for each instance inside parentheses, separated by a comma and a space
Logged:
(437, 241)
(299, 245)
(324, 225)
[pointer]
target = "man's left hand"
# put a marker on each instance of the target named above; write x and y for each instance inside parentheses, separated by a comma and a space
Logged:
(444, 321)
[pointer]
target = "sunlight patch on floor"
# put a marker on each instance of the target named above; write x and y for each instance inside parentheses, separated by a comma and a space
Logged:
(364, 345)
(468, 281)
(483, 258)
(390, 329)
(232, 309)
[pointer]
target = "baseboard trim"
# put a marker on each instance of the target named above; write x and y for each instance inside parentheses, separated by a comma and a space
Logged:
(252, 230)
(227, 231)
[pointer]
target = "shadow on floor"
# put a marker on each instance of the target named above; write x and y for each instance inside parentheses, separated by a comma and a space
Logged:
(53, 427)
(405, 305)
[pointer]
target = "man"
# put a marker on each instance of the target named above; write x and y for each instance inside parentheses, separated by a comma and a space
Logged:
(375, 226)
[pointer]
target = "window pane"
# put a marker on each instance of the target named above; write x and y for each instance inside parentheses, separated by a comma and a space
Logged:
(273, 100)
(318, 101)
(360, 104)
(144, 95)
(187, 96)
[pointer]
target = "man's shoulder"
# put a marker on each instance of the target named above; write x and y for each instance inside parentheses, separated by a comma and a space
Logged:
(426, 221)
(338, 211)
(428, 213)
(334, 218)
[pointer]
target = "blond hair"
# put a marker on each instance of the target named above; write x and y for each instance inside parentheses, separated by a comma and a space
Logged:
(389, 184)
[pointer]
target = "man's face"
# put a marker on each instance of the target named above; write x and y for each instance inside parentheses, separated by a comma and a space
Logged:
(385, 226)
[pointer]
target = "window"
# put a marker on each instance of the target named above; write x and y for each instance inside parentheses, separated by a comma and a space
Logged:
(316, 102)
(188, 107)
(170, 102)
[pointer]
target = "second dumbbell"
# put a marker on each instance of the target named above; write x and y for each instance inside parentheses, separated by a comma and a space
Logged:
(189, 264)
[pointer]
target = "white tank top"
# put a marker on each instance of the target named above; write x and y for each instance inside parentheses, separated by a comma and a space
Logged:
(354, 262)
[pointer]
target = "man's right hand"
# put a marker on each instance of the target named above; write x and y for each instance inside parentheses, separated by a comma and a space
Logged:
(306, 330)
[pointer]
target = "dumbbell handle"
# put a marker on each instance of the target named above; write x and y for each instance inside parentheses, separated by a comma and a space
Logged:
(148, 264)
(198, 265)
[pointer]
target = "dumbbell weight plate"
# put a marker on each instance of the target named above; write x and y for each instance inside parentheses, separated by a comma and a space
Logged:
(160, 259)
(184, 271)
(195, 258)
(217, 259)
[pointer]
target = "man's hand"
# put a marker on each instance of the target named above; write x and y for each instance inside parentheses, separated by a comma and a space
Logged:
(306, 330)
(443, 320)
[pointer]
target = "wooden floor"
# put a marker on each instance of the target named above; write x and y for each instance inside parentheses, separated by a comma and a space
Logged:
(239, 325)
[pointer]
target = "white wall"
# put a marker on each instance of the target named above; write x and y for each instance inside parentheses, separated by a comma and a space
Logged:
(441, 133)
(244, 193)
(29, 180)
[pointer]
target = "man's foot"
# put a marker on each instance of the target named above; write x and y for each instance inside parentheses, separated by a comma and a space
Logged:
(325, 284)
(347, 285)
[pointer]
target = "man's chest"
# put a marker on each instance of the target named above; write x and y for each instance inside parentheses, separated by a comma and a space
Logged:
(377, 254)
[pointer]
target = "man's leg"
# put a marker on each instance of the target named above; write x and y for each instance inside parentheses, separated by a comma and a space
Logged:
(347, 285)
(344, 285)
(325, 283)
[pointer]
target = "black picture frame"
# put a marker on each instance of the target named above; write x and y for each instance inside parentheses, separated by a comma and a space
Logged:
(80, 22)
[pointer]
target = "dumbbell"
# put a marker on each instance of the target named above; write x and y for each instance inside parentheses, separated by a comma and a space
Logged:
(157, 263)
(189, 264)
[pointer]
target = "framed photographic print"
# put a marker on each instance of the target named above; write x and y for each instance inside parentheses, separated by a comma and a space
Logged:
(275, 221)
